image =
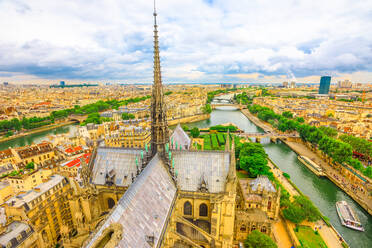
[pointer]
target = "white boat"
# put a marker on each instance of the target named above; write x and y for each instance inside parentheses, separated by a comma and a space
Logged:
(348, 217)
(316, 169)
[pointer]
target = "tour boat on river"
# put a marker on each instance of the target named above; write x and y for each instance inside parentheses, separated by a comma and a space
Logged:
(316, 169)
(348, 217)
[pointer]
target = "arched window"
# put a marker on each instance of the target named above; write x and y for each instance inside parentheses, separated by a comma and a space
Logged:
(269, 205)
(203, 210)
(253, 228)
(110, 203)
(187, 208)
(263, 229)
(243, 228)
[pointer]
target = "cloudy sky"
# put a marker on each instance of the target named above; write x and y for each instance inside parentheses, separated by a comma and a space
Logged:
(201, 40)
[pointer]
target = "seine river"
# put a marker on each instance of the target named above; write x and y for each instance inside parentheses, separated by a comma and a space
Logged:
(36, 137)
(320, 190)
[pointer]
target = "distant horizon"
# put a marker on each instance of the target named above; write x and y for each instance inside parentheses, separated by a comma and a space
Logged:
(67, 83)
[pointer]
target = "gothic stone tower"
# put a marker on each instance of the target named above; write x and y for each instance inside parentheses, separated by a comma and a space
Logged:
(159, 127)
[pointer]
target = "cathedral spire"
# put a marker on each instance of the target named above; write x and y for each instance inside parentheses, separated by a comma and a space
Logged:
(159, 126)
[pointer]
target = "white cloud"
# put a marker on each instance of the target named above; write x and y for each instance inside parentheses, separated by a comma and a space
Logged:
(200, 41)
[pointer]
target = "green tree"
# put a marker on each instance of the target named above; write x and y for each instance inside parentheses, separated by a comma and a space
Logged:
(255, 165)
(16, 124)
(126, 116)
(301, 209)
(257, 239)
(185, 128)
(300, 119)
(286, 175)
(207, 109)
(30, 166)
(287, 114)
(9, 133)
(294, 213)
(331, 132)
(195, 132)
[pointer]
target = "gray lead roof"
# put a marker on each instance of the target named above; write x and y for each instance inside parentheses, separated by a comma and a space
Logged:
(195, 166)
(144, 208)
(122, 162)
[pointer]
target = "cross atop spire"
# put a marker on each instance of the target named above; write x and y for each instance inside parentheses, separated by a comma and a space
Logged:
(159, 126)
(155, 14)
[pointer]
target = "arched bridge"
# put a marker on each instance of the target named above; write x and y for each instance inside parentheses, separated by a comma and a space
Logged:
(223, 100)
(214, 105)
(77, 118)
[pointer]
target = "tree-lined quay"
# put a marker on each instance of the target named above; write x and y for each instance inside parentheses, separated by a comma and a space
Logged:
(333, 167)
(338, 151)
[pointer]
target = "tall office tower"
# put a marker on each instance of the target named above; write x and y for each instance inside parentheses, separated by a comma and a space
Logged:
(325, 82)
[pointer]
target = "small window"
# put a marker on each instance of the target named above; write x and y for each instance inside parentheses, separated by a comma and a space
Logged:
(203, 210)
(187, 208)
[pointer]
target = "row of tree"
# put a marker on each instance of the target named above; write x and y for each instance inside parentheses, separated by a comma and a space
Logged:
(27, 123)
(91, 110)
(323, 138)
(301, 209)
(358, 144)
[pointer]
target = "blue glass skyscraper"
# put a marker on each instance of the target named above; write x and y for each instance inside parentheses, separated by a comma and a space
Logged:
(325, 82)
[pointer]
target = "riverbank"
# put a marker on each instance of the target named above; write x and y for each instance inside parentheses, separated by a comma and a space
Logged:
(189, 119)
(256, 121)
(328, 233)
(37, 130)
(333, 175)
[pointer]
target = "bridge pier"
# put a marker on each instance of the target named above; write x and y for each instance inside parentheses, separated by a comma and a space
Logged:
(273, 139)
(258, 140)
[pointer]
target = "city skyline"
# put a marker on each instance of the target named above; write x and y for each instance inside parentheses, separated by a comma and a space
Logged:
(209, 41)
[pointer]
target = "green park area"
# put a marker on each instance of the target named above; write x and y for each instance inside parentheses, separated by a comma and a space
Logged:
(309, 238)
(215, 141)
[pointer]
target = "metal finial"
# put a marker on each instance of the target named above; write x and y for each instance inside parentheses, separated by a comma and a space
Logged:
(155, 14)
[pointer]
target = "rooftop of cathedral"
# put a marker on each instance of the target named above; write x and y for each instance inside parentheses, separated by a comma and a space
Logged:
(179, 136)
(121, 161)
(144, 208)
(194, 167)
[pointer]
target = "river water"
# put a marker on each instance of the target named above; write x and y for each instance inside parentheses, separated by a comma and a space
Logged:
(36, 137)
(321, 191)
